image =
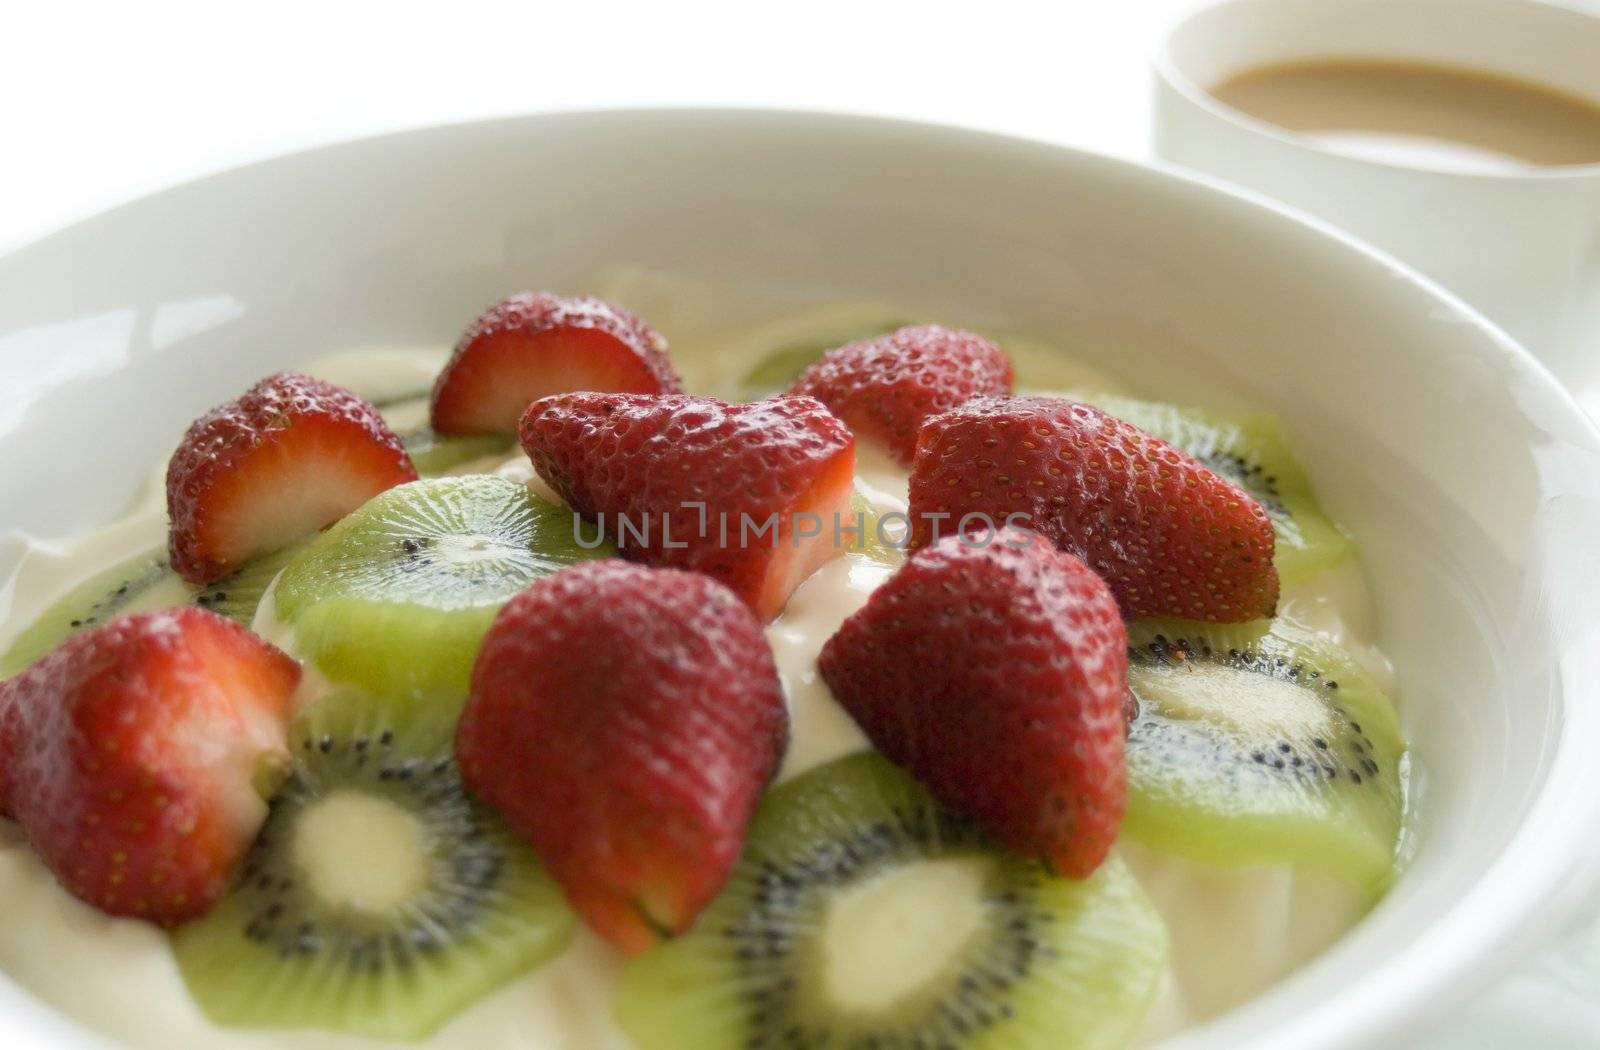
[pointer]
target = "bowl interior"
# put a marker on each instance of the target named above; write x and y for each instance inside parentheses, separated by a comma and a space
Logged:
(1464, 472)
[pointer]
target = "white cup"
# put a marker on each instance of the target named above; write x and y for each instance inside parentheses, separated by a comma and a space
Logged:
(1522, 244)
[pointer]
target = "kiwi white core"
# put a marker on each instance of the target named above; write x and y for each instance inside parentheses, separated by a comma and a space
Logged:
(885, 939)
(1242, 699)
(465, 550)
(119, 978)
(362, 852)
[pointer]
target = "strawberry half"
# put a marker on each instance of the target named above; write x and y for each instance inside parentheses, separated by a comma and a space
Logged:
(749, 494)
(537, 344)
(624, 721)
(131, 756)
(1169, 535)
(885, 388)
(290, 456)
(996, 675)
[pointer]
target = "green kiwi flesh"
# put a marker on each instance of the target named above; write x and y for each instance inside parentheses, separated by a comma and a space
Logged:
(396, 597)
(1252, 451)
(873, 542)
(238, 596)
(1259, 743)
(778, 368)
(142, 582)
(431, 453)
(145, 581)
(378, 899)
(862, 914)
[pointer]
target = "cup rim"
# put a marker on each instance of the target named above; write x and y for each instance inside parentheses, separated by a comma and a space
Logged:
(1171, 72)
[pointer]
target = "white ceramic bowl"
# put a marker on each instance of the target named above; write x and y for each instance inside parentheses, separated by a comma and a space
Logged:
(1469, 477)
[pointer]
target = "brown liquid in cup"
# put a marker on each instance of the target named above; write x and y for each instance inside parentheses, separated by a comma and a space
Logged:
(1412, 111)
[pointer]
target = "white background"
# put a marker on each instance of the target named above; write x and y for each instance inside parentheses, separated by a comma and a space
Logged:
(101, 103)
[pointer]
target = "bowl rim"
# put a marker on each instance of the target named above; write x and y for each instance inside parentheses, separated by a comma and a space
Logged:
(1534, 896)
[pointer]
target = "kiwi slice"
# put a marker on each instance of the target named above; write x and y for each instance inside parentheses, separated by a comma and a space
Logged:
(1260, 743)
(378, 899)
(774, 372)
(875, 540)
(1252, 451)
(778, 368)
(431, 453)
(862, 914)
(145, 581)
(397, 595)
(142, 582)
(237, 596)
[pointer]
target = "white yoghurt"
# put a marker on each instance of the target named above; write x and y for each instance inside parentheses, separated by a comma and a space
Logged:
(1234, 932)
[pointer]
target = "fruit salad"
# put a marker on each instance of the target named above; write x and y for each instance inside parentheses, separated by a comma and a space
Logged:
(776, 676)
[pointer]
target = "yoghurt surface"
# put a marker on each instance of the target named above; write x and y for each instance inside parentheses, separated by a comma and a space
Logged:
(1233, 931)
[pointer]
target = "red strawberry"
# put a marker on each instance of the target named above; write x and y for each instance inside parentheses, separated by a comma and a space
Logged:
(131, 754)
(885, 388)
(1171, 537)
(292, 455)
(624, 721)
(537, 344)
(748, 494)
(996, 675)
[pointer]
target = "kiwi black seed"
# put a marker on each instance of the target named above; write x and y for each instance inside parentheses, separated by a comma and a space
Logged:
(862, 914)
(396, 596)
(1251, 450)
(239, 594)
(378, 898)
(121, 588)
(145, 581)
(1261, 743)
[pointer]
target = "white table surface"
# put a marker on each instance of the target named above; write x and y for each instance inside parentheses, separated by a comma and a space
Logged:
(101, 103)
